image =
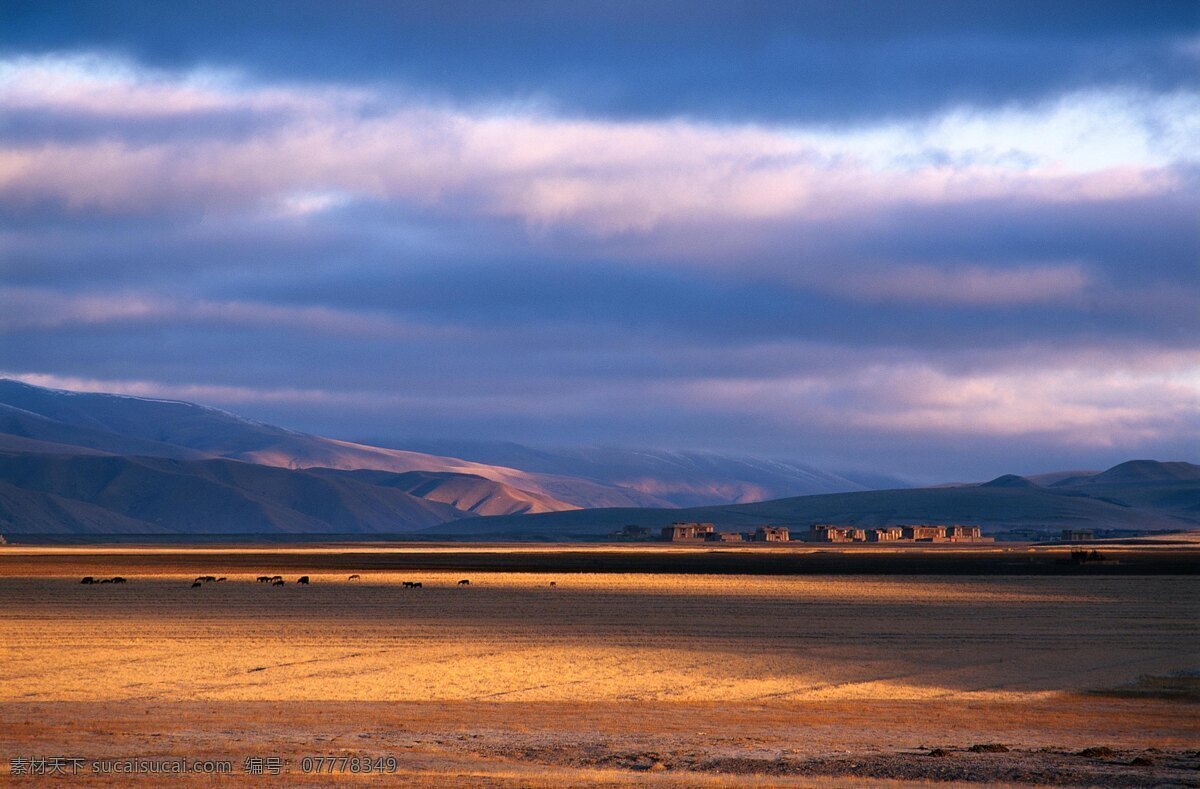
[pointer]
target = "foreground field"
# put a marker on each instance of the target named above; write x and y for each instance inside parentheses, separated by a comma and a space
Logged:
(605, 677)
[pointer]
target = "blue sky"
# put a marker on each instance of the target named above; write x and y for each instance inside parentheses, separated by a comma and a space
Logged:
(933, 239)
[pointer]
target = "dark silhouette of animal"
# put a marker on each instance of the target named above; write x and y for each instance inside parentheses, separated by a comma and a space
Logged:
(554, 583)
(206, 578)
(106, 581)
(408, 584)
(88, 580)
(222, 578)
(353, 578)
(262, 579)
(276, 577)
(464, 582)
(197, 583)
(416, 585)
(277, 583)
(119, 580)
(302, 580)
(1081, 557)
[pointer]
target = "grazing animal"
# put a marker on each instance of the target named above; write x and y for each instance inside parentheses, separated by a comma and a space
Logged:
(277, 583)
(416, 585)
(106, 581)
(353, 578)
(210, 578)
(118, 580)
(408, 584)
(464, 582)
(276, 577)
(303, 580)
(197, 583)
(88, 580)
(554, 583)
(222, 578)
(262, 579)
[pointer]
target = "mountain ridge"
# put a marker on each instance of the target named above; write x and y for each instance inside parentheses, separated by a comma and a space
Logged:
(1162, 503)
(88, 462)
(116, 494)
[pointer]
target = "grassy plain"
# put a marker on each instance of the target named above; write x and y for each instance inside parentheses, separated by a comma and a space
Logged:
(606, 677)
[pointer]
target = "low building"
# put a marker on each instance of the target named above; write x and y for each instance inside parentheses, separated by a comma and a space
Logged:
(828, 532)
(1076, 535)
(923, 533)
(886, 534)
(684, 532)
(725, 536)
(771, 534)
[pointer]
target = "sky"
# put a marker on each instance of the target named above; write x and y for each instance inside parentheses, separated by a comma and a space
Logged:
(942, 240)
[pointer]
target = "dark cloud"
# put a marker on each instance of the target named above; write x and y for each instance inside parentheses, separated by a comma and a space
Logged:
(814, 60)
(360, 262)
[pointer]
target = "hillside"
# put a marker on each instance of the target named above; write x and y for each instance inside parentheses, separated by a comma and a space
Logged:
(466, 492)
(90, 494)
(122, 425)
(681, 479)
(534, 480)
(1135, 472)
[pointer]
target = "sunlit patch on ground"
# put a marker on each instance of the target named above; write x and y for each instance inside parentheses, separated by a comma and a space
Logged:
(512, 674)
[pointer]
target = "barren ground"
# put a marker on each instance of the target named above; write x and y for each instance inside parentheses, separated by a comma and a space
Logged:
(618, 678)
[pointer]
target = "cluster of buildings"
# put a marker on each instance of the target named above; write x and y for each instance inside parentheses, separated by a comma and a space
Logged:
(706, 532)
(826, 532)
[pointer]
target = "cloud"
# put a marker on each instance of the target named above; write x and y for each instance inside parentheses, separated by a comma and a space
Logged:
(655, 59)
(600, 177)
(41, 309)
(947, 290)
(974, 285)
(202, 393)
(1080, 406)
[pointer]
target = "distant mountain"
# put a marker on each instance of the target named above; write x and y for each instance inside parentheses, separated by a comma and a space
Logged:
(1008, 502)
(96, 463)
(123, 425)
(535, 480)
(682, 479)
(466, 492)
(1136, 472)
(1166, 487)
(1051, 477)
(1009, 481)
(93, 494)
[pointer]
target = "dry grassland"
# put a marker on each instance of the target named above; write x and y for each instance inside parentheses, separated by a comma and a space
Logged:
(609, 678)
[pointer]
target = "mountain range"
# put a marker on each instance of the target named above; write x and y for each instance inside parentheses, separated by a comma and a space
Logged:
(675, 479)
(92, 463)
(1136, 495)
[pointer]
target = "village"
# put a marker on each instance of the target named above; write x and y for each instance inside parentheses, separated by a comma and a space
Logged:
(827, 533)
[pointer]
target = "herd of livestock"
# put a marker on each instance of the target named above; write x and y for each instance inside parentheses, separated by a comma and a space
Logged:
(273, 580)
